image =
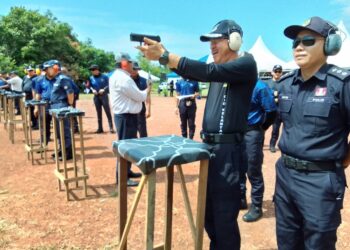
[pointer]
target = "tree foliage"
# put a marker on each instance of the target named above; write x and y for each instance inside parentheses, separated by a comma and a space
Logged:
(31, 38)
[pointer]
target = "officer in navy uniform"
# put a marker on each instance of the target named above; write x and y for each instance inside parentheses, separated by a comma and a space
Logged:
(261, 115)
(98, 83)
(57, 89)
(275, 86)
(27, 86)
(145, 112)
(233, 77)
(314, 105)
(187, 106)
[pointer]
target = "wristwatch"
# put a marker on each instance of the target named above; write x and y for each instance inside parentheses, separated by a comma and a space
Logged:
(164, 59)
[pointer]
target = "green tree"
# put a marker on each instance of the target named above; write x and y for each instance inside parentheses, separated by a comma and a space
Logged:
(28, 36)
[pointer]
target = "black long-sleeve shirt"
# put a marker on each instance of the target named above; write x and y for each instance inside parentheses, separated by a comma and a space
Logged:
(230, 91)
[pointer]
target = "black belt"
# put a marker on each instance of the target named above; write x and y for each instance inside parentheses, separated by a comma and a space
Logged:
(297, 164)
(254, 127)
(222, 138)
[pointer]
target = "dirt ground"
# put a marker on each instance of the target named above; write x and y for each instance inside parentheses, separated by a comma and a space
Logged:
(35, 215)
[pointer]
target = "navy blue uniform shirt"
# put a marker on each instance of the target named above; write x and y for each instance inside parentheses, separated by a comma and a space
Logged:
(186, 87)
(99, 82)
(261, 103)
(228, 100)
(315, 114)
(56, 89)
(141, 82)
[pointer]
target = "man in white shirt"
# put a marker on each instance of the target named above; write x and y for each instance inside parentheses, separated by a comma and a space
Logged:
(126, 101)
(15, 82)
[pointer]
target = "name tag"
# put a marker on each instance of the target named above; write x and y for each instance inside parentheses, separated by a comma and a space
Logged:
(55, 85)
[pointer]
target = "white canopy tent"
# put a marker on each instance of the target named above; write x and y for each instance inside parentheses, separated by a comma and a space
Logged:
(264, 58)
(145, 74)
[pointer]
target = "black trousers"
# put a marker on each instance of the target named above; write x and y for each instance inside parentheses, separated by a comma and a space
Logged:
(307, 207)
(275, 130)
(141, 122)
(187, 117)
(223, 197)
(102, 101)
(29, 96)
(126, 125)
(254, 140)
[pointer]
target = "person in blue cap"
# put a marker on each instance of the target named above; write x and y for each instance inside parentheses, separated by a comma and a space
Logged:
(98, 83)
(58, 91)
(27, 87)
(145, 112)
(232, 78)
(275, 86)
(314, 105)
(186, 106)
(261, 115)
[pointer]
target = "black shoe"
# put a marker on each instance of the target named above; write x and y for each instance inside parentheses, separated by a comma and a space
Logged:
(273, 149)
(243, 204)
(134, 175)
(99, 131)
(59, 155)
(35, 127)
(254, 214)
(76, 130)
(112, 131)
(132, 183)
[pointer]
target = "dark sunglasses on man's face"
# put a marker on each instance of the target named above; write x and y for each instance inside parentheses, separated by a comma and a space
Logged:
(305, 40)
(278, 71)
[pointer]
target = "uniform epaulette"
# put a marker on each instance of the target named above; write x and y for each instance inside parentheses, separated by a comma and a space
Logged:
(339, 73)
(285, 76)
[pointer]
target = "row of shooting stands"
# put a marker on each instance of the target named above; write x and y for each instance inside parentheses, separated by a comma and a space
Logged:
(149, 154)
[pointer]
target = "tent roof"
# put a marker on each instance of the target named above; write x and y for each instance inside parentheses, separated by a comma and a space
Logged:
(264, 58)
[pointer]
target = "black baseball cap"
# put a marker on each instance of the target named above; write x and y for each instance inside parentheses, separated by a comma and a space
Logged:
(315, 24)
(94, 66)
(136, 66)
(277, 67)
(222, 30)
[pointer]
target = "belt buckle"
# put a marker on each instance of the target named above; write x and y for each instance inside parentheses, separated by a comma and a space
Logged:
(302, 165)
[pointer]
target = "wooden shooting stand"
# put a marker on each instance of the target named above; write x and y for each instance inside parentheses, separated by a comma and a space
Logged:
(40, 146)
(149, 154)
(12, 120)
(64, 174)
(3, 108)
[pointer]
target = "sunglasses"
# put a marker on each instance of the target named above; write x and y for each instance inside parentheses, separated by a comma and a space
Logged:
(278, 71)
(305, 40)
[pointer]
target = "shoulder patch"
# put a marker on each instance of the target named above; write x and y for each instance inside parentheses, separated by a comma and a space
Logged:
(339, 73)
(285, 76)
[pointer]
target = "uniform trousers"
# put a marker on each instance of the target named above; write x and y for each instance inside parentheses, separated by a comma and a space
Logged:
(187, 116)
(307, 207)
(141, 122)
(275, 130)
(103, 101)
(254, 140)
(66, 125)
(223, 196)
(126, 125)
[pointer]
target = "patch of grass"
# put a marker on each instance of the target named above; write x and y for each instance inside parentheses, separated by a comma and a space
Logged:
(4, 228)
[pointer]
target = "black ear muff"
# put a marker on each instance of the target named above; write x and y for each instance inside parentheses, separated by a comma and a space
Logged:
(332, 44)
(234, 41)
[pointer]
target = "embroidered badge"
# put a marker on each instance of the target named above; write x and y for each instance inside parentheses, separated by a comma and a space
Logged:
(320, 91)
